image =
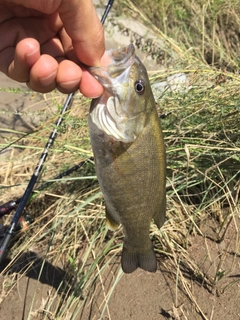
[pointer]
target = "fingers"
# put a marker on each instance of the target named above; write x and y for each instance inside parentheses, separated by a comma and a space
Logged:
(68, 76)
(38, 49)
(47, 74)
(43, 73)
(26, 55)
(42, 76)
(89, 86)
(38, 71)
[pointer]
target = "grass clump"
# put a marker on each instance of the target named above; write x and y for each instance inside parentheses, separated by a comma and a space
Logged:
(208, 29)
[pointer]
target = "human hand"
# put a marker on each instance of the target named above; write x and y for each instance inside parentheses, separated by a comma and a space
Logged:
(42, 42)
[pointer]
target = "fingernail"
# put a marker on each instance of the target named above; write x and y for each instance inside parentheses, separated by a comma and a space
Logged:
(70, 84)
(48, 80)
(32, 56)
(94, 97)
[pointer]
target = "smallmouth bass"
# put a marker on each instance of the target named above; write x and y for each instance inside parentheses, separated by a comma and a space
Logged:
(129, 155)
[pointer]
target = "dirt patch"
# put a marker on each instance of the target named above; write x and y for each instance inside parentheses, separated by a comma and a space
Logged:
(20, 110)
(39, 288)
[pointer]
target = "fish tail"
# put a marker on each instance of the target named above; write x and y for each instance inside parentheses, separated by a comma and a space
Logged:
(132, 259)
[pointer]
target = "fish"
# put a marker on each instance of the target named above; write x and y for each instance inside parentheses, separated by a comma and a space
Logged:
(129, 155)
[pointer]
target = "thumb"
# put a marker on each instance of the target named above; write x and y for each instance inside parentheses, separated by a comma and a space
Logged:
(85, 29)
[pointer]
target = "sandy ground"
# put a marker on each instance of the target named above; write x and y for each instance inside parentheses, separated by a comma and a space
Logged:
(17, 109)
(138, 296)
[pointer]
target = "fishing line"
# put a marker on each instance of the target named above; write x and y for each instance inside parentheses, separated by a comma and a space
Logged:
(10, 230)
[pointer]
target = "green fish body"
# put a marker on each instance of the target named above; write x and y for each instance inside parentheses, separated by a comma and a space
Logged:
(129, 154)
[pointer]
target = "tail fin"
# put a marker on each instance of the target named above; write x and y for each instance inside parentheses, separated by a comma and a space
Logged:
(131, 260)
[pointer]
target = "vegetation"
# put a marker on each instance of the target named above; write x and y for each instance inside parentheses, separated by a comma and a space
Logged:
(202, 135)
(208, 29)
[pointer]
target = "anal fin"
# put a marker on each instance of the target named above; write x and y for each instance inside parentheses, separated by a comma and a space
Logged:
(111, 223)
(159, 218)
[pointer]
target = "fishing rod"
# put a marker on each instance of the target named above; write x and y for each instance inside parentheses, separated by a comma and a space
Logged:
(107, 10)
(7, 207)
(10, 230)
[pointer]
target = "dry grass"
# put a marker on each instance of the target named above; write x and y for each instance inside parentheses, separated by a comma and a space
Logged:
(208, 30)
(203, 146)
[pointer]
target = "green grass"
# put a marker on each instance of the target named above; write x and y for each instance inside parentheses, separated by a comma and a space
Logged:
(202, 139)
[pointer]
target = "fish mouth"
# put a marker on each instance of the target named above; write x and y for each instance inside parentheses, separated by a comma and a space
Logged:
(117, 71)
(112, 113)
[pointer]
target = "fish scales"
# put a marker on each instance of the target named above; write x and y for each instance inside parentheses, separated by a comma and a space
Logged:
(131, 174)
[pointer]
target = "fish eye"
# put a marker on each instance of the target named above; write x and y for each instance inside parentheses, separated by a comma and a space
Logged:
(139, 86)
